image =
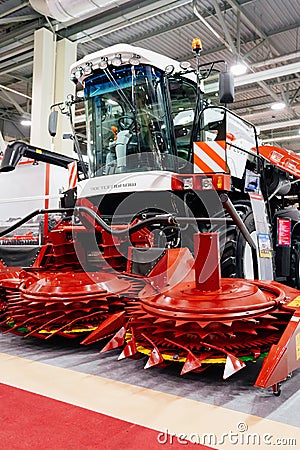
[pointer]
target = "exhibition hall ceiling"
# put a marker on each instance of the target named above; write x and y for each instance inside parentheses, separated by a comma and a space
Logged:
(263, 34)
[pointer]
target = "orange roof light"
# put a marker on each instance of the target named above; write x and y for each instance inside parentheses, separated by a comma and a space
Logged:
(197, 45)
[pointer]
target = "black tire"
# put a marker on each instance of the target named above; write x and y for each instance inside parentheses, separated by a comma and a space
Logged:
(234, 244)
(294, 278)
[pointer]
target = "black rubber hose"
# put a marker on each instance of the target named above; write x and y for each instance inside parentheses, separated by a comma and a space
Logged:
(131, 228)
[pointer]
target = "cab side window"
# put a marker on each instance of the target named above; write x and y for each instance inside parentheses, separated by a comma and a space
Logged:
(183, 99)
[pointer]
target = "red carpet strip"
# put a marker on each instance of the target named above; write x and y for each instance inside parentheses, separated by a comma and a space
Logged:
(32, 421)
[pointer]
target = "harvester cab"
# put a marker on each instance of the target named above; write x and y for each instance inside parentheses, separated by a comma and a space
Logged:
(142, 104)
(128, 97)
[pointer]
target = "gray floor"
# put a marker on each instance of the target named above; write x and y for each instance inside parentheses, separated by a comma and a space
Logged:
(237, 393)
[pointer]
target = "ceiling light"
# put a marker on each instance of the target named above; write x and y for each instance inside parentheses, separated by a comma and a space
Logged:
(281, 124)
(26, 122)
(282, 138)
(238, 69)
(254, 77)
(278, 106)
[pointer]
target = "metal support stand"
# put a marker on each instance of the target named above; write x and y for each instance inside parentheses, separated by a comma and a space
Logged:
(207, 262)
(228, 205)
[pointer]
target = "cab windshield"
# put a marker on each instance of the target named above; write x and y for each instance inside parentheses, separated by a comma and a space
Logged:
(128, 121)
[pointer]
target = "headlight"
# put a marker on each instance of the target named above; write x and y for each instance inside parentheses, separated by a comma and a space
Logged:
(188, 183)
(207, 184)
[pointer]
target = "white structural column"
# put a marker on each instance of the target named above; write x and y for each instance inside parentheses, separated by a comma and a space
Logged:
(42, 87)
(66, 54)
(51, 84)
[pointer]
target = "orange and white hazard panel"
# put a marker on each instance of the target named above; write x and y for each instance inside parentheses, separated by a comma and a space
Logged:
(210, 157)
(73, 175)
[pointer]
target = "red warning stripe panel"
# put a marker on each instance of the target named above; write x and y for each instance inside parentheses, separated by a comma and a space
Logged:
(202, 166)
(72, 168)
(210, 157)
(214, 155)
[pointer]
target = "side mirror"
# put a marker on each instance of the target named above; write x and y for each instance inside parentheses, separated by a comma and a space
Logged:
(52, 123)
(226, 87)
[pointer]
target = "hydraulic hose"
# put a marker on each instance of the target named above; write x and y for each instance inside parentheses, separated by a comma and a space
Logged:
(167, 218)
(30, 216)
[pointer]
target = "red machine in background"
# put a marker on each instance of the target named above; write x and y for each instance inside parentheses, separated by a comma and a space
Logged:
(136, 253)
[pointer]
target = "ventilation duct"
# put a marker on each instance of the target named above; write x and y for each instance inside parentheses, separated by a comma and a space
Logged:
(64, 10)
